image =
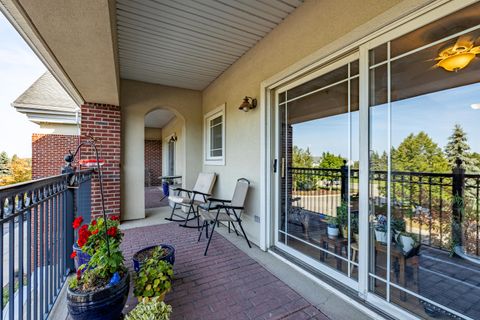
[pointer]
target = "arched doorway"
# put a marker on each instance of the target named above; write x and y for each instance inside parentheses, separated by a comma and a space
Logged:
(163, 155)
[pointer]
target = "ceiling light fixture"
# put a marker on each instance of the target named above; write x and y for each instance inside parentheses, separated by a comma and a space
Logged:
(475, 106)
(458, 56)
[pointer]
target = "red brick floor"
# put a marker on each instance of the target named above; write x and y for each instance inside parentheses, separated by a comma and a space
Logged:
(153, 196)
(227, 284)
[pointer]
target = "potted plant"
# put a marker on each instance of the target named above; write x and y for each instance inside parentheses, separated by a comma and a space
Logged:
(354, 225)
(80, 257)
(332, 227)
(342, 218)
(397, 226)
(164, 252)
(154, 309)
(408, 241)
(154, 278)
(101, 291)
(381, 229)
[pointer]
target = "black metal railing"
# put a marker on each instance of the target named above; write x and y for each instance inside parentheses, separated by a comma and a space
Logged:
(36, 238)
(431, 204)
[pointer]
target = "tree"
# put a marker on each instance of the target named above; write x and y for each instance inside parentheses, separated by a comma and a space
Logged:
(302, 158)
(378, 162)
(457, 147)
(331, 161)
(418, 153)
(4, 164)
(21, 169)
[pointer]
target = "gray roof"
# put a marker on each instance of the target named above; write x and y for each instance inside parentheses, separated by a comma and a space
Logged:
(46, 101)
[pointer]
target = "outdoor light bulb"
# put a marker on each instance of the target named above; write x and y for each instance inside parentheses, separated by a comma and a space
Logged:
(475, 106)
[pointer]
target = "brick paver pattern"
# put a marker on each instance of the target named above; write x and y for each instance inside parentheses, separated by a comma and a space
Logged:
(226, 284)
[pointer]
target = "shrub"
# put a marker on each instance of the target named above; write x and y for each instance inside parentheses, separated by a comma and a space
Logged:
(154, 278)
(150, 309)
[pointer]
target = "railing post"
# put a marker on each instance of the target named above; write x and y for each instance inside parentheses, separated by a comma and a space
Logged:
(344, 181)
(458, 187)
(69, 214)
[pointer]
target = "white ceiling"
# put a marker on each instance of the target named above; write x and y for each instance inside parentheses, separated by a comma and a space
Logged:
(189, 43)
(158, 118)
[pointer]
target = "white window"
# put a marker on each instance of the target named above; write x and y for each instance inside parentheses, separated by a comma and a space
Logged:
(215, 136)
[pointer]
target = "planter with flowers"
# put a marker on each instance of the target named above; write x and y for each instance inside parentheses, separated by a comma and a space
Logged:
(100, 288)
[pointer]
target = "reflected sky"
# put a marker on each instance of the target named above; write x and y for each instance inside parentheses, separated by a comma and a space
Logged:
(435, 113)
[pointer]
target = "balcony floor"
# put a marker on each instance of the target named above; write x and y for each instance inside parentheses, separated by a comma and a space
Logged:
(232, 282)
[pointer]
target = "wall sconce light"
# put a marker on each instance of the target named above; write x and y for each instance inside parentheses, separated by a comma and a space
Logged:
(173, 138)
(247, 105)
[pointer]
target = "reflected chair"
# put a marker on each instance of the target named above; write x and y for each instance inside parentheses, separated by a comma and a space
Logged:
(230, 211)
(190, 199)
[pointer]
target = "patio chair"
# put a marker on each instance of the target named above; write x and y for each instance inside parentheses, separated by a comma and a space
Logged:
(230, 211)
(191, 199)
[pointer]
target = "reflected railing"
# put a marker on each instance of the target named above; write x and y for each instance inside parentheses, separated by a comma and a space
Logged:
(427, 202)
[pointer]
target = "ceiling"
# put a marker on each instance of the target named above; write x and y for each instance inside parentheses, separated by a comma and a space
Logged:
(188, 43)
(158, 118)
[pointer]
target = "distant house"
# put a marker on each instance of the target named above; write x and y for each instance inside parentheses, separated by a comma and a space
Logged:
(47, 104)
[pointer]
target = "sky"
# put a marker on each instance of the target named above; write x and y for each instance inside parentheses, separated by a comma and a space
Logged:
(434, 113)
(19, 68)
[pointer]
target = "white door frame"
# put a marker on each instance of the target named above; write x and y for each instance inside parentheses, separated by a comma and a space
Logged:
(401, 19)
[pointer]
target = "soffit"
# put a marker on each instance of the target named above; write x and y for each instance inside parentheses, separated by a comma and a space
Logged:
(186, 43)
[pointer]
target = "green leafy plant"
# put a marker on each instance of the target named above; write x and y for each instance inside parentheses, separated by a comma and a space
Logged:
(397, 224)
(332, 221)
(154, 279)
(342, 214)
(150, 309)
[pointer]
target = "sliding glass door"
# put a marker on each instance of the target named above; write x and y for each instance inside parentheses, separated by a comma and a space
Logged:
(424, 168)
(377, 167)
(318, 168)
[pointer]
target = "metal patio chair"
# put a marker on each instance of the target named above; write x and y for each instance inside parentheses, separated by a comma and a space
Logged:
(191, 199)
(230, 211)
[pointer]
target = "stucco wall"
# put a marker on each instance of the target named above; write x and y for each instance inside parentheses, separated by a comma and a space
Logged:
(138, 99)
(312, 26)
(58, 128)
(174, 127)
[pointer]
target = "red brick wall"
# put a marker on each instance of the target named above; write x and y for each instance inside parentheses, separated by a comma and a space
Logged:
(48, 151)
(103, 123)
(153, 162)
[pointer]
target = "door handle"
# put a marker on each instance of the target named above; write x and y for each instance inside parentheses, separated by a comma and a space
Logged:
(283, 167)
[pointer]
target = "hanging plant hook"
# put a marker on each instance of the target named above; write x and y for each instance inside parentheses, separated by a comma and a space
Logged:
(70, 157)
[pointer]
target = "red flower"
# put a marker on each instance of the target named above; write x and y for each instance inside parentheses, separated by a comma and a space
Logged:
(94, 222)
(79, 274)
(95, 231)
(77, 222)
(115, 218)
(112, 232)
(83, 235)
(73, 255)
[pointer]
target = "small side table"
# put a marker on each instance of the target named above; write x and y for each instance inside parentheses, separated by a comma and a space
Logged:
(337, 243)
(166, 182)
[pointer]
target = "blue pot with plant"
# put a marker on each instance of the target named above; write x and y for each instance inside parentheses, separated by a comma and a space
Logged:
(163, 252)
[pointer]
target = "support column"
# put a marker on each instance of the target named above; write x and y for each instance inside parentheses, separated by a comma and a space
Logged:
(103, 122)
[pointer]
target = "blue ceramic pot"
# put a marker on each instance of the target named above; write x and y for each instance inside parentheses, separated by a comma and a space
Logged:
(81, 258)
(105, 304)
(170, 257)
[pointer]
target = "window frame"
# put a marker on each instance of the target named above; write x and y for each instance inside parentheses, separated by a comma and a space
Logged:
(208, 118)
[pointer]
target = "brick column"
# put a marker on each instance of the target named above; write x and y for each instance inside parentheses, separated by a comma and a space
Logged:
(102, 121)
